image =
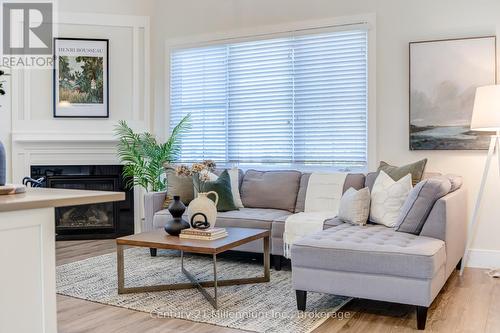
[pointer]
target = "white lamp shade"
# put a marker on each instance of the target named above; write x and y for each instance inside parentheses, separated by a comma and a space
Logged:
(486, 114)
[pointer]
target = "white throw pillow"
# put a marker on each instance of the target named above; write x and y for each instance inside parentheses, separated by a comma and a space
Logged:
(387, 198)
(235, 186)
(355, 206)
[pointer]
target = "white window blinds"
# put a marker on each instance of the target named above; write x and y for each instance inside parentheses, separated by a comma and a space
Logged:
(293, 100)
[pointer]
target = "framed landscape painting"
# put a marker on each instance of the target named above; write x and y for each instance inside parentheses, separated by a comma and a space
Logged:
(81, 78)
(444, 75)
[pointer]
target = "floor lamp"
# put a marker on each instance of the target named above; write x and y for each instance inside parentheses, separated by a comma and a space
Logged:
(485, 117)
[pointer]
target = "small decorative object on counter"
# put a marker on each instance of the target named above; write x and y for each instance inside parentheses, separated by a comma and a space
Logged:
(12, 189)
(176, 224)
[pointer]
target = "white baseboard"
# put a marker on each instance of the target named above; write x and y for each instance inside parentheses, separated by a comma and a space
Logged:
(483, 258)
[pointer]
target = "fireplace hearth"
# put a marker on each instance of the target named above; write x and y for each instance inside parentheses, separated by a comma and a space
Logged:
(94, 221)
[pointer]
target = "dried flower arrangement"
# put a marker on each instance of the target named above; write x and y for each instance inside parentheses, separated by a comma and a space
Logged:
(201, 170)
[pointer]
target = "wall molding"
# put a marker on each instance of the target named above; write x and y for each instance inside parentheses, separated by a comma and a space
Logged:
(479, 258)
(52, 141)
(140, 67)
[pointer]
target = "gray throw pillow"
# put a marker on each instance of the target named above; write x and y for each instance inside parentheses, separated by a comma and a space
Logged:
(178, 185)
(419, 203)
(270, 189)
(416, 170)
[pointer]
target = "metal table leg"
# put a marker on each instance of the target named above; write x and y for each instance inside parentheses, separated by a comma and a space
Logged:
(194, 283)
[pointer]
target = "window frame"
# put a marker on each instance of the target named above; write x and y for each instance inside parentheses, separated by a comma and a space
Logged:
(365, 21)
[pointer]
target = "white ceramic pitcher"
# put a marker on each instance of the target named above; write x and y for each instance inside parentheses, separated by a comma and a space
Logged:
(203, 204)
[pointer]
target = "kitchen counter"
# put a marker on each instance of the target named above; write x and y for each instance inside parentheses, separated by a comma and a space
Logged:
(27, 255)
(51, 197)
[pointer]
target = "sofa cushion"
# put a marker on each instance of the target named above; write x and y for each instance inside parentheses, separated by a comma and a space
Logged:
(370, 179)
(370, 249)
(270, 189)
(218, 171)
(260, 218)
(354, 180)
(301, 195)
(161, 217)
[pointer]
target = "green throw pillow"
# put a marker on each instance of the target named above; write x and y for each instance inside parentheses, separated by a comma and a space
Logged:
(396, 173)
(223, 188)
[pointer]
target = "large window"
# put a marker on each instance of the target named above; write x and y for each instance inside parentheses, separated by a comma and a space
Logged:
(285, 101)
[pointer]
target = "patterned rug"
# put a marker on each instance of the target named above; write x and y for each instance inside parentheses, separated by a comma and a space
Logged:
(264, 307)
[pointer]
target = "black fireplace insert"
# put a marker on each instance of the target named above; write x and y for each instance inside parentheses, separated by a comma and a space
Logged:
(93, 221)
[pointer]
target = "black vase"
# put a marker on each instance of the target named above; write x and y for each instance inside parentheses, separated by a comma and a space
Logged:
(176, 224)
(3, 167)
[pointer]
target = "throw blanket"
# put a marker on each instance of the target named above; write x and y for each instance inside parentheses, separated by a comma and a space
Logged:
(323, 194)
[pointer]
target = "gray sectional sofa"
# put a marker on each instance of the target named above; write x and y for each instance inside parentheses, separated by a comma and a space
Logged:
(371, 261)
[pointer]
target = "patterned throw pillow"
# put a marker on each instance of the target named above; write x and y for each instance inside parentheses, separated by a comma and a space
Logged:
(223, 188)
(387, 198)
(354, 206)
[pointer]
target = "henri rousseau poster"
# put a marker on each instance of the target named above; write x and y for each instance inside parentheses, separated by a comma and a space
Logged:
(81, 78)
(444, 75)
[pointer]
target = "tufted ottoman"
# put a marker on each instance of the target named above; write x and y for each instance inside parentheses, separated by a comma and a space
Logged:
(371, 261)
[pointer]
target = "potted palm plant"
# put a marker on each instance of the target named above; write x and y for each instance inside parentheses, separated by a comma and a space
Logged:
(143, 156)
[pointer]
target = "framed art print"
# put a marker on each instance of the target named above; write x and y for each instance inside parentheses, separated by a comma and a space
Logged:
(444, 75)
(81, 78)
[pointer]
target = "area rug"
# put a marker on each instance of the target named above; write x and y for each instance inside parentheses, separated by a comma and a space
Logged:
(263, 307)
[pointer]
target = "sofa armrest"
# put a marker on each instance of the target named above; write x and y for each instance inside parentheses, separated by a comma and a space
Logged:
(153, 202)
(448, 222)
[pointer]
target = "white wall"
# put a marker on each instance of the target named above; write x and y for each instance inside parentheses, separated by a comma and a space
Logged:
(398, 22)
(33, 136)
(31, 111)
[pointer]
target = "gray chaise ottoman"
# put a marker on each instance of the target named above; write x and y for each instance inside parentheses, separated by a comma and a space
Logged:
(373, 262)
(376, 262)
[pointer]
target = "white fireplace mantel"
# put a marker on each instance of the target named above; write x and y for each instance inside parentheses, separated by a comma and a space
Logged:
(58, 149)
(30, 149)
(63, 137)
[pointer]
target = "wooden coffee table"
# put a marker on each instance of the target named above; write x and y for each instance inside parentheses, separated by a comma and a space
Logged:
(160, 240)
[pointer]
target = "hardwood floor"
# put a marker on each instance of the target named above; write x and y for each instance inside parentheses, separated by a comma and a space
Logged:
(466, 304)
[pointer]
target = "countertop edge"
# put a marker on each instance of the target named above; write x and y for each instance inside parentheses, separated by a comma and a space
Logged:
(61, 201)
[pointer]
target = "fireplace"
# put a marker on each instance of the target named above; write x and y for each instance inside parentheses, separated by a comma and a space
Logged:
(94, 221)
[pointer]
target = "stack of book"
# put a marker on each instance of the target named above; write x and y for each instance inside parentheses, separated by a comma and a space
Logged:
(203, 234)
